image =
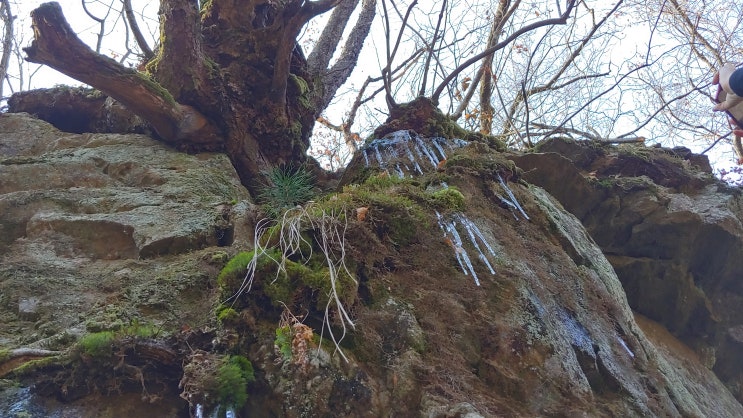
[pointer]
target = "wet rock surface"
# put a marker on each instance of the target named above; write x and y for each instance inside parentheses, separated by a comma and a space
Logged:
(671, 231)
(119, 234)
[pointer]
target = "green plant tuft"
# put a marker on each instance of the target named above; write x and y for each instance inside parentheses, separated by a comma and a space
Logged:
(97, 344)
(225, 314)
(233, 377)
(283, 341)
(287, 187)
(234, 271)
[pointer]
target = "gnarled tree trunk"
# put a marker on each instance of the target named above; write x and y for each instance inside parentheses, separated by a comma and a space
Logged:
(228, 77)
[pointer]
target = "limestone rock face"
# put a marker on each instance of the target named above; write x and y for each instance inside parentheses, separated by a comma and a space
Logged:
(671, 231)
(473, 294)
(102, 231)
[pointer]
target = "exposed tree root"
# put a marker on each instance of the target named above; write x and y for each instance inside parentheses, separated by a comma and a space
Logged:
(12, 359)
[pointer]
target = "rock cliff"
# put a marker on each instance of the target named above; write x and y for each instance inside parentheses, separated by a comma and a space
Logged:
(466, 291)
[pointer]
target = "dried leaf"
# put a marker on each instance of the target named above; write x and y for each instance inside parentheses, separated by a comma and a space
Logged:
(361, 213)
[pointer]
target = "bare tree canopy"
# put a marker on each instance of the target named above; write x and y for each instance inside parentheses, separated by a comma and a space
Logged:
(228, 76)
(234, 77)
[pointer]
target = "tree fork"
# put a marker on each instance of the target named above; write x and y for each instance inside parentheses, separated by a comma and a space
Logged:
(177, 124)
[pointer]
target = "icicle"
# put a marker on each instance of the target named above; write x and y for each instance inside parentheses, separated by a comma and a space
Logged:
(509, 204)
(624, 345)
(412, 158)
(445, 227)
(399, 171)
(392, 150)
(380, 160)
(512, 197)
(469, 227)
(435, 142)
(425, 150)
(366, 158)
(469, 224)
(444, 185)
(459, 247)
(459, 143)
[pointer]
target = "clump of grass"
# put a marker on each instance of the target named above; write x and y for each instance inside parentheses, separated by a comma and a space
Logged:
(97, 344)
(328, 232)
(286, 188)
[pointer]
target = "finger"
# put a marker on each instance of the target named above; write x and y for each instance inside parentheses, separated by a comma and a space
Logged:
(716, 78)
(738, 132)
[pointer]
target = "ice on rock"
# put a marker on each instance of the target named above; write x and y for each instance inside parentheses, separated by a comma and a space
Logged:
(422, 154)
(511, 201)
(449, 226)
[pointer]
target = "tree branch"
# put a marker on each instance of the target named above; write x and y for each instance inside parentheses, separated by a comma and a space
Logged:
(7, 17)
(57, 46)
(330, 37)
(141, 41)
(561, 20)
(341, 70)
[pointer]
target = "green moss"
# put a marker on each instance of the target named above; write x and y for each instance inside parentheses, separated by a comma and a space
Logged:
(279, 289)
(225, 314)
(283, 341)
(448, 199)
(97, 344)
(233, 273)
(139, 330)
(233, 377)
(283, 288)
(295, 129)
(32, 367)
(155, 86)
(219, 257)
(299, 83)
(206, 5)
(463, 160)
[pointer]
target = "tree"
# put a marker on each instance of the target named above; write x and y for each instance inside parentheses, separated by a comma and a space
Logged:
(226, 75)
(6, 16)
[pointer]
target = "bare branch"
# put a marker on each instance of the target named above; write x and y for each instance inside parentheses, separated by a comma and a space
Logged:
(334, 77)
(330, 37)
(431, 48)
(141, 41)
(7, 17)
(386, 75)
(692, 28)
(101, 22)
(592, 136)
(561, 20)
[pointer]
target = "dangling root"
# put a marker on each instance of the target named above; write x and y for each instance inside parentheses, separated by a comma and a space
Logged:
(329, 229)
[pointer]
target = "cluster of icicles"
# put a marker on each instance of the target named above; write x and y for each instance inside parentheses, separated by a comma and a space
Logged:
(230, 413)
(422, 154)
(407, 154)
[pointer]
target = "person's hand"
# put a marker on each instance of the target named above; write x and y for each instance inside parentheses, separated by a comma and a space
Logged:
(726, 98)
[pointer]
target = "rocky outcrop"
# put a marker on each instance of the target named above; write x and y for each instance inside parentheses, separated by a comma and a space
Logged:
(473, 294)
(102, 231)
(672, 232)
